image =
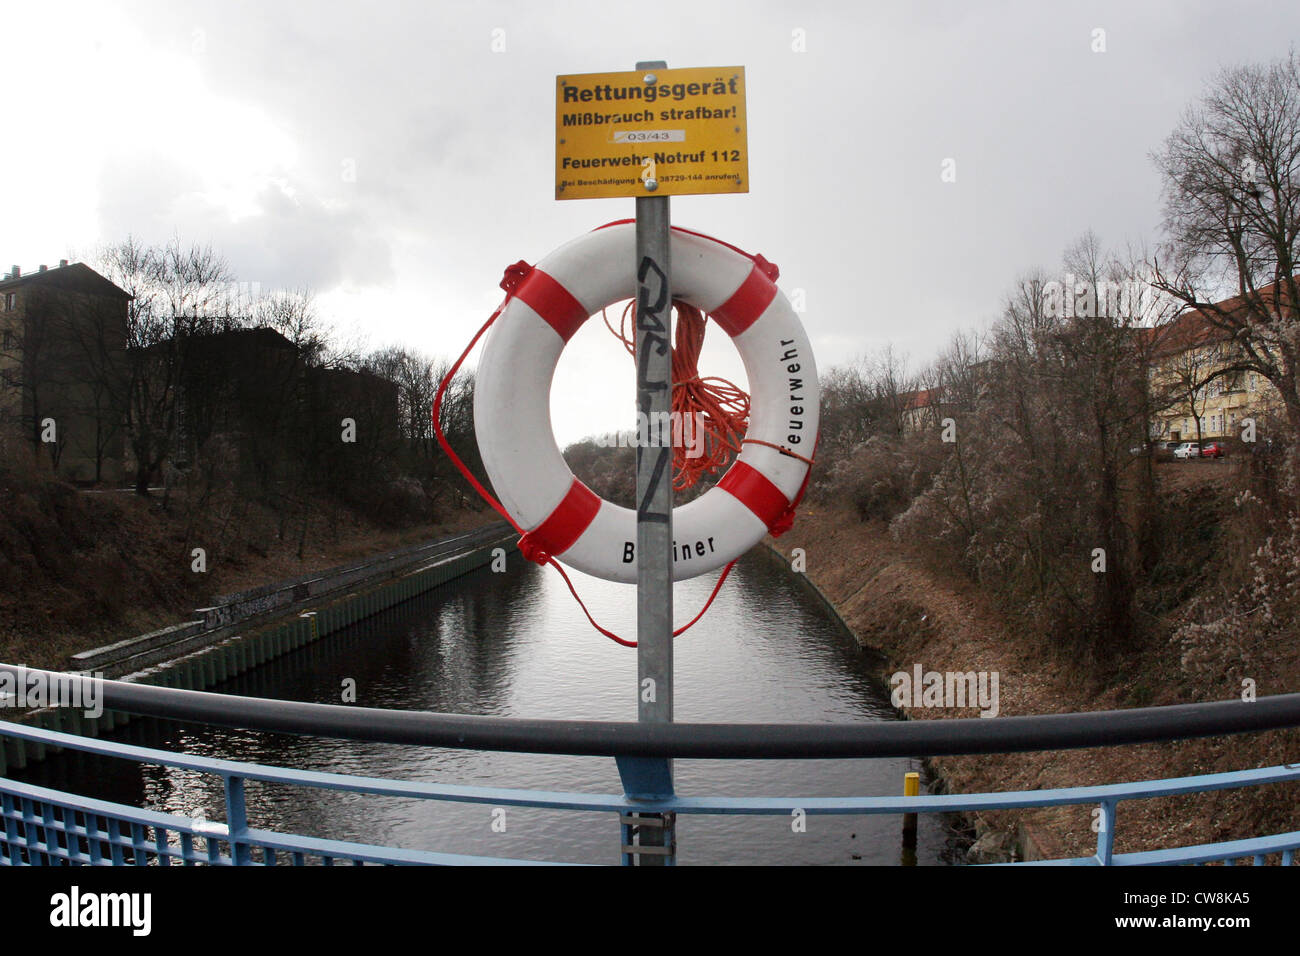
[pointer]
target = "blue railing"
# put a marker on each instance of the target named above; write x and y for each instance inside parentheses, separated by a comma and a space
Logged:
(42, 826)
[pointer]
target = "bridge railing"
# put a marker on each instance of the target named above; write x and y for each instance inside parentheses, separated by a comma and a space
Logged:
(41, 826)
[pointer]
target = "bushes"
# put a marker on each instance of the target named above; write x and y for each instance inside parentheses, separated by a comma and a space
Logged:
(880, 477)
(394, 504)
(1244, 625)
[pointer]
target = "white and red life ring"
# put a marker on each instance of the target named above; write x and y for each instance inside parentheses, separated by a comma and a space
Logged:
(512, 416)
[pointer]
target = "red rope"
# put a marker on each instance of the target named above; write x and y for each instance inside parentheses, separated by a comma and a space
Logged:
(711, 413)
(513, 276)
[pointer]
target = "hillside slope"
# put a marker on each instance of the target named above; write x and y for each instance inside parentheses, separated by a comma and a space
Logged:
(894, 603)
(81, 569)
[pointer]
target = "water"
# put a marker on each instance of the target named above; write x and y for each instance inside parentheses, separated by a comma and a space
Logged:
(516, 644)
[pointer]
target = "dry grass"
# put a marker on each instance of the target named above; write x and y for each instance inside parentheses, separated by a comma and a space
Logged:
(80, 570)
(896, 604)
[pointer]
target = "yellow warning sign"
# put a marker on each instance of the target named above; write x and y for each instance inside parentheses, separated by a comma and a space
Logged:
(651, 133)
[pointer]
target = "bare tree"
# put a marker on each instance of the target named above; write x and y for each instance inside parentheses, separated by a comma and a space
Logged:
(1034, 495)
(178, 292)
(1231, 172)
(416, 377)
(1103, 377)
(847, 412)
(894, 386)
(957, 370)
(293, 313)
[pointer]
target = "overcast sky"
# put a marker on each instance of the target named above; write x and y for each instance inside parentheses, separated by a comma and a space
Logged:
(239, 123)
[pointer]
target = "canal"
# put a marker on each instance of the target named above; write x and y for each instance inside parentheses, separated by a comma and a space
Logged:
(516, 644)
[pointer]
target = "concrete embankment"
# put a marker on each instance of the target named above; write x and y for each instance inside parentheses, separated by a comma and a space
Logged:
(902, 616)
(242, 631)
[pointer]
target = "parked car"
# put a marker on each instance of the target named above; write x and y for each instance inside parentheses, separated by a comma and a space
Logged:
(1214, 449)
(1188, 450)
(1164, 450)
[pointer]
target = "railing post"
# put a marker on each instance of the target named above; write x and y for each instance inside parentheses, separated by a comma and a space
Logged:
(241, 853)
(1106, 832)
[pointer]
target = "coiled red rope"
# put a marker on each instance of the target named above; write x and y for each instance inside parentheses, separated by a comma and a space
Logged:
(712, 413)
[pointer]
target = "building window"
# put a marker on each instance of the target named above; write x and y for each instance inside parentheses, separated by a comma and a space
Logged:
(10, 341)
(11, 301)
(1253, 382)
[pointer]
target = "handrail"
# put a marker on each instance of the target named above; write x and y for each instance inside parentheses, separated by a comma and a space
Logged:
(698, 741)
(574, 800)
(44, 826)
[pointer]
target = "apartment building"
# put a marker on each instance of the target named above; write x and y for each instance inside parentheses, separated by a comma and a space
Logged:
(1193, 382)
(63, 399)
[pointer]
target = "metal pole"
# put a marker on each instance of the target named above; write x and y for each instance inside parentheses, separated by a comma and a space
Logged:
(654, 461)
(654, 474)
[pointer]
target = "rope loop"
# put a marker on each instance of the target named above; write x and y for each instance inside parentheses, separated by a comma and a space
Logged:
(514, 276)
(533, 551)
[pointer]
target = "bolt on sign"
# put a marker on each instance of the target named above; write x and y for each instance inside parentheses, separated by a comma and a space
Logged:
(655, 132)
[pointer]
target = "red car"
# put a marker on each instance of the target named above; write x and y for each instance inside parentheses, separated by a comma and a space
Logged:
(1214, 449)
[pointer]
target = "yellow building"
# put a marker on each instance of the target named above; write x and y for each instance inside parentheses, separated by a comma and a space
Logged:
(1188, 359)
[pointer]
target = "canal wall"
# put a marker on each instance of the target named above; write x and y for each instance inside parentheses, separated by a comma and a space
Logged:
(902, 617)
(256, 626)
(233, 613)
(1028, 842)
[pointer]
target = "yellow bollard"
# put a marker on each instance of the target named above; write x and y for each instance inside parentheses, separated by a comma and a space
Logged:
(911, 788)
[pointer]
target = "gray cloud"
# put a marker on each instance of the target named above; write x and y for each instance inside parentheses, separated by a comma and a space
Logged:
(453, 144)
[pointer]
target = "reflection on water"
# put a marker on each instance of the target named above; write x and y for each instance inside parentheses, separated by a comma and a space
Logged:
(516, 644)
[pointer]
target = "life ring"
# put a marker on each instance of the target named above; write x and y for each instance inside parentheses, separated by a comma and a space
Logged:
(512, 416)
